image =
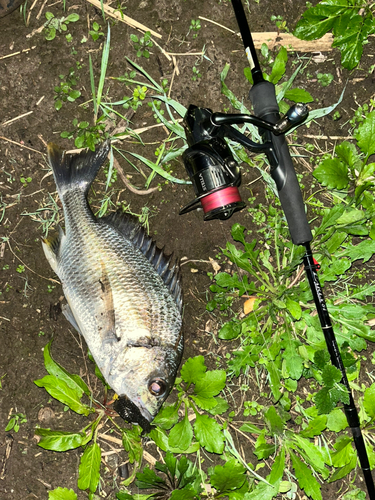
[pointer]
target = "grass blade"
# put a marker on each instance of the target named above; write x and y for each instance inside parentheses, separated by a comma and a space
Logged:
(92, 83)
(158, 170)
(103, 69)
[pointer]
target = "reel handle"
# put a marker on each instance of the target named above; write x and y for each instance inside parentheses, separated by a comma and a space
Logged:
(263, 98)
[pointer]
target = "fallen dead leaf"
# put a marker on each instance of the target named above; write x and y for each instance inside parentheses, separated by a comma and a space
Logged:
(249, 304)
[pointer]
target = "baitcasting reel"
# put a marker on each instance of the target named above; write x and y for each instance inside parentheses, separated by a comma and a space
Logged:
(214, 173)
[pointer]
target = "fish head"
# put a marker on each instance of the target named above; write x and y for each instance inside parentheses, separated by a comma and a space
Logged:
(143, 378)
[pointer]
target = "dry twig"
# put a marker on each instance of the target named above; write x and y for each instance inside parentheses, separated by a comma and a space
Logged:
(121, 17)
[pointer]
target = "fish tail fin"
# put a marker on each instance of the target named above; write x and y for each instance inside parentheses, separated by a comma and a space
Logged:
(76, 170)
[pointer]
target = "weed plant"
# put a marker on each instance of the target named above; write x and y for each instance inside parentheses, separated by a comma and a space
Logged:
(351, 23)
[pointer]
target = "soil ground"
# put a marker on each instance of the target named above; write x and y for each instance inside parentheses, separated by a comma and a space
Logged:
(29, 301)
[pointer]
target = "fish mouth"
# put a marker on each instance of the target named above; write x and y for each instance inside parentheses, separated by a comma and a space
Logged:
(130, 412)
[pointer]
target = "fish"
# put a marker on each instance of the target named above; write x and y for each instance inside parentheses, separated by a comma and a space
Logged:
(123, 293)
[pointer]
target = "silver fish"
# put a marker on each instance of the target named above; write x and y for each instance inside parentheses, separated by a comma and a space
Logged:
(123, 295)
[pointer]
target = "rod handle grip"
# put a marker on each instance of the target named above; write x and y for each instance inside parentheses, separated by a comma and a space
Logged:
(263, 98)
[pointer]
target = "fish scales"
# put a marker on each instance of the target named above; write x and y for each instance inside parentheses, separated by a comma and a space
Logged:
(129, 317)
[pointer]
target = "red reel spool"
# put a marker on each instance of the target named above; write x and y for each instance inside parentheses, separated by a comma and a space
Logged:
(224, 202)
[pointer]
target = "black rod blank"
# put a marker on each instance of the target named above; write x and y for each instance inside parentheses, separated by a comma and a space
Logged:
(333, 349)
(248, 41)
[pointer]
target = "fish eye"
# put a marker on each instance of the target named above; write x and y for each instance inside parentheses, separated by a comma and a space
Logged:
(157, 387)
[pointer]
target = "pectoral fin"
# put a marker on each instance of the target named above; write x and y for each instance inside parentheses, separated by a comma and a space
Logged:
(107, 314)
(67, 312)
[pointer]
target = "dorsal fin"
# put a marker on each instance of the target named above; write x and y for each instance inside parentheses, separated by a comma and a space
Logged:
(129, 226)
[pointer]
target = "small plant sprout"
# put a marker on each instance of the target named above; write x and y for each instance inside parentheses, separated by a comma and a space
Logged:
(95, 32)
(324, 79)
(20, 269)
(65, 91)
(15, 421)
(54, 24)
(25, 180)
(142, 44)
(280, 23)
(195, 26)
(196, 73)
(1, 381)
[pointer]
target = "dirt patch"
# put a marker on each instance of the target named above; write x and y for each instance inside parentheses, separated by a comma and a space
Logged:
(30, 298)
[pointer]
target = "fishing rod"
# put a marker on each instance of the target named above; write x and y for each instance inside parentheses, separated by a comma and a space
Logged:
(215, 177)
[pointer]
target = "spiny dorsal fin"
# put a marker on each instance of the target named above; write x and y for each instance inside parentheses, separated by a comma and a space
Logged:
(129, 226)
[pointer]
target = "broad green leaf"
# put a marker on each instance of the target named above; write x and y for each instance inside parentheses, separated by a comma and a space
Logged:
(167, 417)
(344, 471)
(369, 401)
(315, 427)
(358, 328)
(148, 479)
(230, 330)
(351, 38)
(331, 375)
(253, 429)
(220, 407)
(181, 434)
(53, 368)
(313, 455)
(351, 216)
(274, 380)
(344, 451)
(188, 493)
(193, 369)
(294, 308)
(59, 390)
(131, 441)
(277, 471)
(209, 434)
(278, 68)
(161, 440)
(72, 18)
(335, 242)
(210, 384)
(298, 95)
(62, 494)
(89, 468)
(171, 463)
(58, 440)
(228, 477)
(336, 420)
(263, 449)
(274, 421)
(325, 400)
(313, 26)
(365, 134)
(306, 480)
(262, 491)
(332, 173)
(347, 152)
(330, 217)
